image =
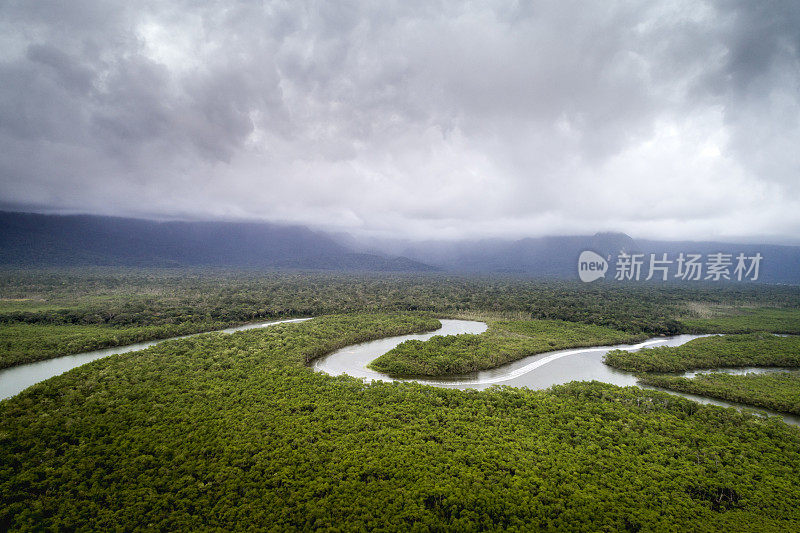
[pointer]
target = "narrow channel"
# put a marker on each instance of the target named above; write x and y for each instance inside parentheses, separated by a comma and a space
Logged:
(15, 379)
(534, 372)
(538, 371)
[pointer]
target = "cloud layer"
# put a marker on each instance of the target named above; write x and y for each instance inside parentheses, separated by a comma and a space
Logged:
(409, 119)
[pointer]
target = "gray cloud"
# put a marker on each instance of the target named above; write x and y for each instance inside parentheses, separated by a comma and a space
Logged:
(662, 119)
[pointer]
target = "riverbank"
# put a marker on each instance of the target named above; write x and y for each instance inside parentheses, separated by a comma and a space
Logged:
(235, 432)
(14, 380)
(503, 342)
(540, 371)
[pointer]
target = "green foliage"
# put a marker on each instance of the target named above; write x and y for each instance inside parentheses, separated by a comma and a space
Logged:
(752, 349)
(123, 297)
(25, 343)
(503, 342)
(169, 300)
(232, 432)
(778, 391)
(748, 320)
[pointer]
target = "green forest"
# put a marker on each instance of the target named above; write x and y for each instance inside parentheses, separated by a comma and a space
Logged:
(101, 307)
(25, 343)
(748, 320)
(236, 432)
(503, 342)
(232, 432)
(719, 351)
(778, 391)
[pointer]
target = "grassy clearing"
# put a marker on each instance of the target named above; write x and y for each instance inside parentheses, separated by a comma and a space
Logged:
(747, 321)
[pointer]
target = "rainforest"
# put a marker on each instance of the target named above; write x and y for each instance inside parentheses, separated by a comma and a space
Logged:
(399, 266)
(236, 431)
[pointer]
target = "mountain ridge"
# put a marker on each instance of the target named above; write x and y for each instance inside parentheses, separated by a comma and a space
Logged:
(29, 239)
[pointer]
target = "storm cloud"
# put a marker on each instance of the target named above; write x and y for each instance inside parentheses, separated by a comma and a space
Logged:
(409, 119)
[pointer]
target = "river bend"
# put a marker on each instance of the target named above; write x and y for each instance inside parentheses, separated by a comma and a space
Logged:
(538, 371)
(535, 372)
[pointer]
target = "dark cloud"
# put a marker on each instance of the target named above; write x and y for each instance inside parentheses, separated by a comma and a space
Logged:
(664, 119)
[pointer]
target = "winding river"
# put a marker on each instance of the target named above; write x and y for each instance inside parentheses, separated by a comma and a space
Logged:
(18, 378)
(535, 372)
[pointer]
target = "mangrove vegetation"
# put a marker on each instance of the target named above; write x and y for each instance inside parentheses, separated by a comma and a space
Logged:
(92, 308)
(503, 342)
(779, 391)
(234, 432)
(718, 351)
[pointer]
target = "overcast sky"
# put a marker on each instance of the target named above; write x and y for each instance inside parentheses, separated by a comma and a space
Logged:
(410, 119)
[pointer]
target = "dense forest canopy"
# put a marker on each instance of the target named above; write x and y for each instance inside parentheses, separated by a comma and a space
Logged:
(212, 212)
(718, 351)
(777, 391)
(235, 432)
(85, 309)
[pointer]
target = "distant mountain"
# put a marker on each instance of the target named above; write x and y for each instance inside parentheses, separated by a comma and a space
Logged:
(32, 239)
(557, 257)
(48, 240)
(541, 256)
(612, 244)
(780, 264)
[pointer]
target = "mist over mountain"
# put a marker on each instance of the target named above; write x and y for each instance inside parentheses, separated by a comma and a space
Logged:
(557, 256)
(28, 239)
(75, 240)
